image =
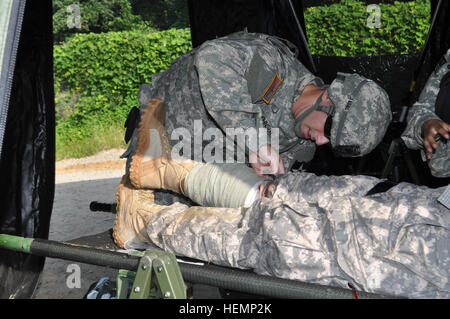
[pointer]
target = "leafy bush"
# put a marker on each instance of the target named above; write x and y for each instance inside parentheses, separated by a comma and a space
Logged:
(97, 76)
(341, 29)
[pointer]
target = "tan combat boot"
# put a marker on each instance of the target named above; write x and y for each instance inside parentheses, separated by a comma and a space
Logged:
(151, 165)
(135, 207)
(152, 138)
(161, 173)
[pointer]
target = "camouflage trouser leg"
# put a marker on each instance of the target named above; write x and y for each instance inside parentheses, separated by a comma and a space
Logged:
(210, 234)
(266, 238)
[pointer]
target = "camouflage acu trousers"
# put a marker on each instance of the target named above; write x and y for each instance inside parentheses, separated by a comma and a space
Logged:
(323, 230)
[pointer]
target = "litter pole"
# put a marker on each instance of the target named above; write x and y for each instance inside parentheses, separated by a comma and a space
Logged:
(55, 249)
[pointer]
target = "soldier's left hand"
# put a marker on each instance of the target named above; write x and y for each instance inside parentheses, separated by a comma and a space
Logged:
(429, 130)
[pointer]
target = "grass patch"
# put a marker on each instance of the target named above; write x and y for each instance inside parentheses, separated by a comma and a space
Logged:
(96, 138)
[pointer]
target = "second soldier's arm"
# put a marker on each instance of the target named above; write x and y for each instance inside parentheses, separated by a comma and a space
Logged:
(423, 123)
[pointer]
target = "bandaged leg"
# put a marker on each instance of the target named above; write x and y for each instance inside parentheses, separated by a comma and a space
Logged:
(213, 185)
(222, 185)
(335, 241)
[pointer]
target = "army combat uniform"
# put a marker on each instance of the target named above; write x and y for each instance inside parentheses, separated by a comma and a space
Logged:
(424, 110)
(244, 80)
(322, 230)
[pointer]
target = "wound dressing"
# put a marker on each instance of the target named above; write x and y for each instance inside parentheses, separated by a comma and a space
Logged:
(228, 185)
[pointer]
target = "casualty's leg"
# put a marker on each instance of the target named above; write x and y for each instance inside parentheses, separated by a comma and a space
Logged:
(207, 184)
(206, 233)
(331, 241)
(223, 185)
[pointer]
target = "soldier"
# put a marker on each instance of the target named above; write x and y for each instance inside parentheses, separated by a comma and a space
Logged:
(248, 81)
(428, 121)
(329, 230)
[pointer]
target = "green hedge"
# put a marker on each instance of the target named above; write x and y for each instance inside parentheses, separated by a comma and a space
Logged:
(97, 77)
(341, 29)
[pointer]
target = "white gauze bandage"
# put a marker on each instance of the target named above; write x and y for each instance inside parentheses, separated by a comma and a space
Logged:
(222, 185)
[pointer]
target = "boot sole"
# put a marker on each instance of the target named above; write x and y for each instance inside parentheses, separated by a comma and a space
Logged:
(117, 238)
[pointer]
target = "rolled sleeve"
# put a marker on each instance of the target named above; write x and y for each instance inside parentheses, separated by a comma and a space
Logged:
(419, 114)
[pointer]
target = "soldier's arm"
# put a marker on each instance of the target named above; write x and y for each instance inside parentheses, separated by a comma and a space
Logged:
(221, 69)
(420, 113)
(424, 111)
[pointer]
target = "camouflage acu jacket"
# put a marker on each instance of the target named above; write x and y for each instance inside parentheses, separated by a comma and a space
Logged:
(424, 110)
(244, 80)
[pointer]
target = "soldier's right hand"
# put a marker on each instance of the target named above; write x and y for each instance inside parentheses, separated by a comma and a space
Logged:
(266, 161)
(430, 129)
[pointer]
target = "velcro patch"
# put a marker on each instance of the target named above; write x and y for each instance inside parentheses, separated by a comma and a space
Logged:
(272, 89)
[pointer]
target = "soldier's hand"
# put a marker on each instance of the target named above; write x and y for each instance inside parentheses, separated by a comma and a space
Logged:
(266, 161)
(429, 130)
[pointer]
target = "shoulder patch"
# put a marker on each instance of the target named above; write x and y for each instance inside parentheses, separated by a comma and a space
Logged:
(272, 89)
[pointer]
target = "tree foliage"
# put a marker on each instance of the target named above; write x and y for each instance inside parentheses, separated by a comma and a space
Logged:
(94, 16)
(163, 14)
(118, 15)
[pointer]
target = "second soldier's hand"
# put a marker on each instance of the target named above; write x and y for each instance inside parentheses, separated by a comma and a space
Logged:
(429, 130)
